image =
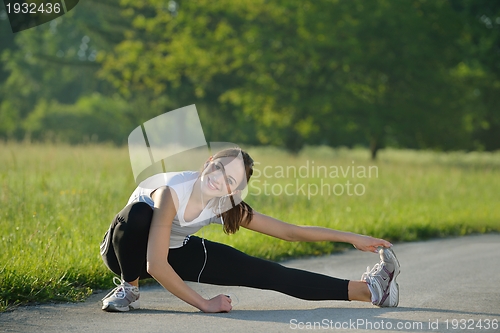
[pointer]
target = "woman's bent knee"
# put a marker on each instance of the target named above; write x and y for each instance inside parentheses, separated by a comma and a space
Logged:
(137, 215)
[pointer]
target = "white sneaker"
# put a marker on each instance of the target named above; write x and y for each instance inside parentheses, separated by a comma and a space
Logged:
(123, 298)
(381, 279)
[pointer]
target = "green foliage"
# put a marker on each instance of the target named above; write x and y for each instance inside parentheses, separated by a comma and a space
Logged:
(334, 72)
(478, 74)
(9, 118)
(55, 62)
(93, 118)
(415, 74)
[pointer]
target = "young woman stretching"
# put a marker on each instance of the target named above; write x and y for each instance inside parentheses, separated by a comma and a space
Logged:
(150, 237)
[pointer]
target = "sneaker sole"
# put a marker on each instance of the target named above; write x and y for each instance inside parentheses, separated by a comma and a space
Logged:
(110, 307)
(397, 268)
(394, 291)
(135, 305)
(393, 296)
(397, 293)
(394, 288)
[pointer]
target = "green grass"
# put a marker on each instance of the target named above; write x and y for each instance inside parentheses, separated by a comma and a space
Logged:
(57, 201)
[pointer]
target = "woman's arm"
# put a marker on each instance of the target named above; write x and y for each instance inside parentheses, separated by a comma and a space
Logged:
(157, 254)
(293, 233)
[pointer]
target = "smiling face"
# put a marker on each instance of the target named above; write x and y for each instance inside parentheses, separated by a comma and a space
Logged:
(223, 176)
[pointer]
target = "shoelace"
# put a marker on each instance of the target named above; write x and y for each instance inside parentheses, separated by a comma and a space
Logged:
(369, 273)
(119, 291)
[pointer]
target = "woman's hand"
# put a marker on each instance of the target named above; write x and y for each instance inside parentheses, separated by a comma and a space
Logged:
(220, 303)
(367, 243)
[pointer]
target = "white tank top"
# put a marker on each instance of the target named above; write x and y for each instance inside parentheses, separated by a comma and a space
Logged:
(182, 183)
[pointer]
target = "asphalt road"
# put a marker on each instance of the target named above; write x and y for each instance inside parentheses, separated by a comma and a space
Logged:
(446, 285)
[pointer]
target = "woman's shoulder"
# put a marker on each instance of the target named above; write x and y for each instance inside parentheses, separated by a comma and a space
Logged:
(168, 179)
(180, 178)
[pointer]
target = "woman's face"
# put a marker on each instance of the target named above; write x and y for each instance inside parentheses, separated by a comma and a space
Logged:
(223, 176)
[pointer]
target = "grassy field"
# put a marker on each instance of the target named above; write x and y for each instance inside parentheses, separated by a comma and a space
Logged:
(57, 201)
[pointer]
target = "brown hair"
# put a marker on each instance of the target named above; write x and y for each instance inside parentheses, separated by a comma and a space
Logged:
(242, 212)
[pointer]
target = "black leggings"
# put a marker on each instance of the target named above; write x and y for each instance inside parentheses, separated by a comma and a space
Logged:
(124, 247)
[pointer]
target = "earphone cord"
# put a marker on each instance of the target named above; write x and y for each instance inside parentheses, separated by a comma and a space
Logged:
(204, 250)
(204, 247)
(206, 254)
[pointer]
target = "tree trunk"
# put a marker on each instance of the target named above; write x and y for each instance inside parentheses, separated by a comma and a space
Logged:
(374, 147)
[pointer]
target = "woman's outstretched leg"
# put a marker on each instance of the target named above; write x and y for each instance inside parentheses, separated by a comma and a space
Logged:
(228, 266)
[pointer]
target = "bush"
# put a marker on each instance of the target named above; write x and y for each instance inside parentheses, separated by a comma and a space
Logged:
(92, 118)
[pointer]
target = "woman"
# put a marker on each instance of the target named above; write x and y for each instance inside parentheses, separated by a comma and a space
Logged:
(150, 237)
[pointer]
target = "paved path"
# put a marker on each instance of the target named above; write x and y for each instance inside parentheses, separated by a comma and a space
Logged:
(441, 281)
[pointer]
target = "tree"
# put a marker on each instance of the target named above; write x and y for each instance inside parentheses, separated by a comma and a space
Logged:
(56, 62)
(418, 74)
(8, 114)
(303, 72)
(479, 71)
